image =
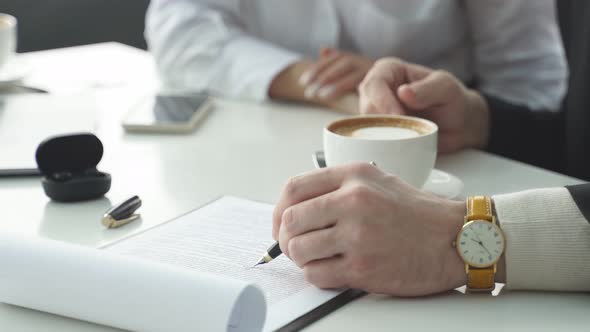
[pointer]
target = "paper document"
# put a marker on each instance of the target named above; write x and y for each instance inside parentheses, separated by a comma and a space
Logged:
(227, 237)
(193, 273)
(123, 292)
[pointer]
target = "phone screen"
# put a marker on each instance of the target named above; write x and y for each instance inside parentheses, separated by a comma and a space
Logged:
(167, 110)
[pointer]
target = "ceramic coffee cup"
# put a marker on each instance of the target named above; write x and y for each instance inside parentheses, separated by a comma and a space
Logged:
(402, 145)
(7, 38)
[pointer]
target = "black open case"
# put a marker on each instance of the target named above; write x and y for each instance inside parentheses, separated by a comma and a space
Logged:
(68, 164)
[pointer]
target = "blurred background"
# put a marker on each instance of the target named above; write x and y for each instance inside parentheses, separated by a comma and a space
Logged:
(51, 24)
(47, 24)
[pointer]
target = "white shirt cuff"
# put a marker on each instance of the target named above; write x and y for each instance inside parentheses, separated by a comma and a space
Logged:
(547, 240)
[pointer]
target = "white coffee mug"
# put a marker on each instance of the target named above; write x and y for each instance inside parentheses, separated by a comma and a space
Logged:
(7, 38)
(401, 145)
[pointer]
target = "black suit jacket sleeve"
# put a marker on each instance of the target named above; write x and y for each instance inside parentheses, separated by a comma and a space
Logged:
(531, 136)
(581, 195)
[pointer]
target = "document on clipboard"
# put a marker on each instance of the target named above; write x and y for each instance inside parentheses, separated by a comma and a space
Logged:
(193, 273)
(225, 238)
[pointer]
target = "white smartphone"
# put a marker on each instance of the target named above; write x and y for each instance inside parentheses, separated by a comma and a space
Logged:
(168, 114)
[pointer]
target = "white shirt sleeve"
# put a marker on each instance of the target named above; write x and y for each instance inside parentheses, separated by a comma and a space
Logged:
(199, 45)
(547, 240)
(518, 52)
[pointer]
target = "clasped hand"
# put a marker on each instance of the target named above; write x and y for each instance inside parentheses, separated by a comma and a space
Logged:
(334, 74)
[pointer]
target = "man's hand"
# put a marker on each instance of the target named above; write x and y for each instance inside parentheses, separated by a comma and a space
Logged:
(355, 226)
(335, 74)
(393, 86)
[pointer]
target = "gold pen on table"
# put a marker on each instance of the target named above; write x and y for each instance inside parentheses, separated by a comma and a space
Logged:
(274, 251)
(122, 214)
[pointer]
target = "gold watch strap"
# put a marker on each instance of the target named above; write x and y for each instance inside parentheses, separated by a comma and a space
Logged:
(480, 279)
(479, 208)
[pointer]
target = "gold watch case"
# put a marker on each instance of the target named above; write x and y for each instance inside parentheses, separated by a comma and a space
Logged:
(467, 225)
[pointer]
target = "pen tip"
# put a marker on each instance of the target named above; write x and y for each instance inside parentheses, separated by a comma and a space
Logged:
(260, 262)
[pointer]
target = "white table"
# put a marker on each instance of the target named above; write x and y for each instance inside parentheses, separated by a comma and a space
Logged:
(248, 150)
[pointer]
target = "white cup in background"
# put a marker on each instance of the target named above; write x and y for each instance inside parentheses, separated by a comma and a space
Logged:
(401, 145)
(8, 38)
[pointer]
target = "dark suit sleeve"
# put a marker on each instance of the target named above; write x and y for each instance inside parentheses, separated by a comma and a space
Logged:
(581, 195)
(531, 136)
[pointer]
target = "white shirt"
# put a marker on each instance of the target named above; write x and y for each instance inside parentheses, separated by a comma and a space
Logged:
(236, 47)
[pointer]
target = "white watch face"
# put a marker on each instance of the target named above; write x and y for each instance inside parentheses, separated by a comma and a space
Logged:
(480, 243)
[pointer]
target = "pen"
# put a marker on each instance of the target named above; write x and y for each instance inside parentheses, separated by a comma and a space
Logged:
(19, 172)
(271, 253)
(122, 214)
(274, 251)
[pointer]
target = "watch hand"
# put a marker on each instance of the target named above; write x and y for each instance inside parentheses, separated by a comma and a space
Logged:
(481, 244)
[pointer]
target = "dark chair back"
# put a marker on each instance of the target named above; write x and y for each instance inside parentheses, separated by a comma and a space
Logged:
(574, 21)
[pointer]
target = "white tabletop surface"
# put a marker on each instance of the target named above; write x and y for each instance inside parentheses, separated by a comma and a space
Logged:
(242, 149)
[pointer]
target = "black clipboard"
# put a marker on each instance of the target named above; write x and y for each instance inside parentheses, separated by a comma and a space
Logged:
(323, 310)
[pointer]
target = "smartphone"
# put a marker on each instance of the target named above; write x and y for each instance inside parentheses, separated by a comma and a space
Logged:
(168, 114)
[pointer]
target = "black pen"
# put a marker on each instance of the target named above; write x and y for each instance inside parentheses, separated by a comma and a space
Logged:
(271, 253)
(19, 172)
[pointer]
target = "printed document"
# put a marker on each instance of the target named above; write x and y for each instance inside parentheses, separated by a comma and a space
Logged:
(227, 237)
(193, 273)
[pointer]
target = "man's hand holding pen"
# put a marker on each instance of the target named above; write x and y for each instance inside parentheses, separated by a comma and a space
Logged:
(404, 248)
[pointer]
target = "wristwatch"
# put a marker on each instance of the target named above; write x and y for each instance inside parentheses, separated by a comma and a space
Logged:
(480, 243)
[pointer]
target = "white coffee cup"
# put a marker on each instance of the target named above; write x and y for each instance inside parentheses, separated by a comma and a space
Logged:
(7, 38)
(402, 145)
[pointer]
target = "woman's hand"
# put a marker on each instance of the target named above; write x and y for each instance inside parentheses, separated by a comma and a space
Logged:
(334, 74)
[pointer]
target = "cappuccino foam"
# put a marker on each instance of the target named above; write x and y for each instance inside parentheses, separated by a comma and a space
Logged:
(384, 133)
(380, 128)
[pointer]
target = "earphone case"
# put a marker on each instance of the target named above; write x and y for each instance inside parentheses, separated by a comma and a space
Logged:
(68, 164)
